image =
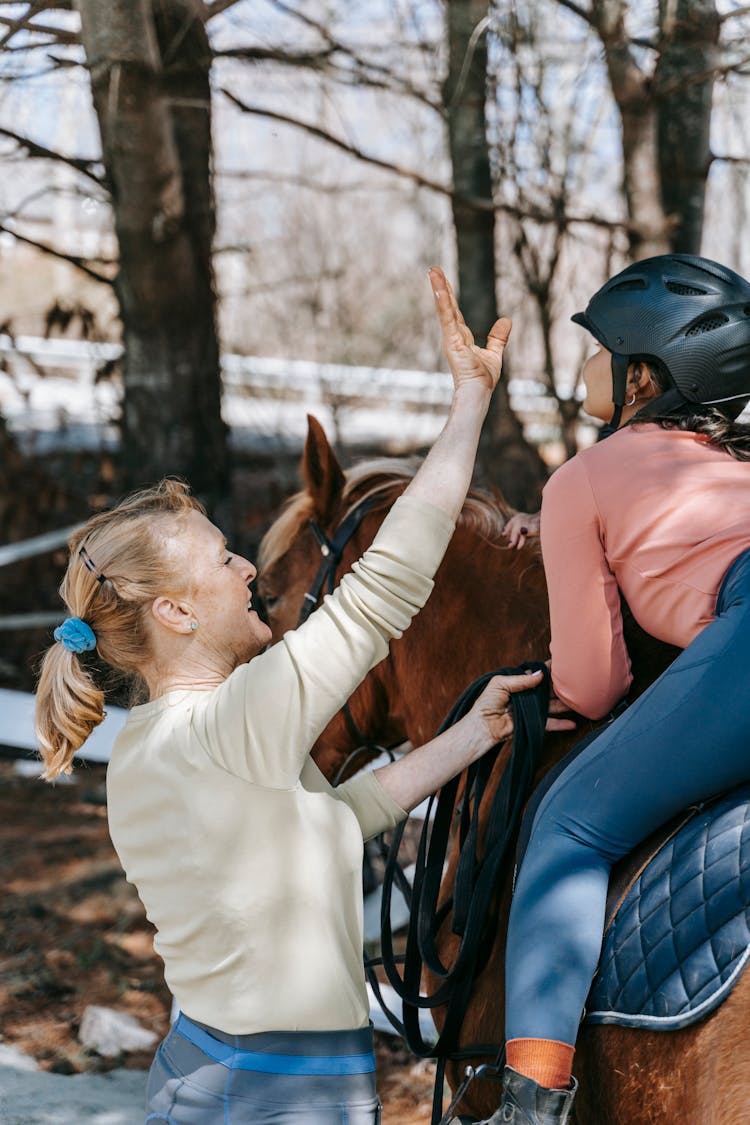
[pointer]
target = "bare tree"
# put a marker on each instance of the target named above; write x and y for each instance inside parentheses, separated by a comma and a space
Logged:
(149, 65)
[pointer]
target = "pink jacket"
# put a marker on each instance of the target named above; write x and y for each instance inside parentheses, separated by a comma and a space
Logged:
(658, 514)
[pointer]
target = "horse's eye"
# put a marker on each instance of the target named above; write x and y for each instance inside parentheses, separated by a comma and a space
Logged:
(269, 600)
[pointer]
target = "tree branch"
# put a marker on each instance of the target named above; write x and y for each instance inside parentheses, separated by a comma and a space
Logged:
(579, 11)
(737, 12)
(365, 65)
(308, 21)
(324, 60)
(72, 259)
(60, 35)
(678, 85)
(59, 63)
(20, 23)
(276, 54)
(36, 150)
(218, 7)
(344, 146)
(536, 213)
(305, 182)
(730, 159)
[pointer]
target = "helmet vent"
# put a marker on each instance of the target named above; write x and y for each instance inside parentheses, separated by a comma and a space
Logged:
(630, 283)
(708, 324)
(684, 290)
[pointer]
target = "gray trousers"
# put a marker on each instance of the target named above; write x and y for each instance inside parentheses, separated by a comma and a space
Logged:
(201, 1076)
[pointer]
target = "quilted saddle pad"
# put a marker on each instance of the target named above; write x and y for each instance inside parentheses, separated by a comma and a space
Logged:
(681, 937)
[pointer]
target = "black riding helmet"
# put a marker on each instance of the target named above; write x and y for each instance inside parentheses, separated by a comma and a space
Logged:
(689, 312)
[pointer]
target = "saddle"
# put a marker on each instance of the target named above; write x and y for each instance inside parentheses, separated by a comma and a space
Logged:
(677, 935)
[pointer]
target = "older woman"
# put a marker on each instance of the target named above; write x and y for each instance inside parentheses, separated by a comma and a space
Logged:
(247, 861)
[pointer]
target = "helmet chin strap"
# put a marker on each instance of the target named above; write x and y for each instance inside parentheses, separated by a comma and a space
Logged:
(619, 385)
(665, 403)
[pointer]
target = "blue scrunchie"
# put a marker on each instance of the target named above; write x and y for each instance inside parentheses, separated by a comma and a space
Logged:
(75, 635)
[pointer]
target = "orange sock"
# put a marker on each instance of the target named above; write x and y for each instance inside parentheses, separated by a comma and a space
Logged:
(547, 1061)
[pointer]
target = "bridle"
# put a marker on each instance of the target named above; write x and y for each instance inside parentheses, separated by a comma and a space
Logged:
(323, 583)
(331, 550)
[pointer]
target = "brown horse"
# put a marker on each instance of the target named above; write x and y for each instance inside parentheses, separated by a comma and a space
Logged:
(489, 610)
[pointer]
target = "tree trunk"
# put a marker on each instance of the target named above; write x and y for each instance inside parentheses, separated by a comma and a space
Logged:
(684, 83)
(649, 228)
(505, 456)
(570, 412)
(149, 68)
(666, 121)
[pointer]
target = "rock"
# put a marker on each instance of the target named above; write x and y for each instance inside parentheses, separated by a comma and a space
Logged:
(15, 1057)
(109, 1032)
(115, 1098)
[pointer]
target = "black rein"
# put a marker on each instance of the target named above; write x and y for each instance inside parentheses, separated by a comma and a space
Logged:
(476, 887)
(478, 880)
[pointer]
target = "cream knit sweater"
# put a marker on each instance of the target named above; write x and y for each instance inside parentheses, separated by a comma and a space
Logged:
(247, 861)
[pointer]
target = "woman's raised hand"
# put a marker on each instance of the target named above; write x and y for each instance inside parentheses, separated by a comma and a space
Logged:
(468, 362)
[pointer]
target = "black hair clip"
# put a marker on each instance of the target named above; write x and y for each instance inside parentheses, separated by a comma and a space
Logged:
(88, 562)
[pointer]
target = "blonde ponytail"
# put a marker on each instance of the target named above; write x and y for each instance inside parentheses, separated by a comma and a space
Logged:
(117, 566)
(68, 707)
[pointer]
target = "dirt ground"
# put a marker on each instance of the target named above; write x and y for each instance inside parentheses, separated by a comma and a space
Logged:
(73, 933)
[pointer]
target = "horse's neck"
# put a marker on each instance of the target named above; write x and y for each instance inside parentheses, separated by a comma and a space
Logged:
(488, 610)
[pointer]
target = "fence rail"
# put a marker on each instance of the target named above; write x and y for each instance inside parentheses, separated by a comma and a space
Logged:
(28, 549)
(52, 388)
(38, 545)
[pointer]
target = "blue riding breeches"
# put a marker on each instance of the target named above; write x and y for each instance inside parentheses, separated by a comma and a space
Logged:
(687, 738)
(201, 1076)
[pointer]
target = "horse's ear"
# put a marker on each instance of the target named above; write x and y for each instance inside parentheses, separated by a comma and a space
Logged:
(321, 472)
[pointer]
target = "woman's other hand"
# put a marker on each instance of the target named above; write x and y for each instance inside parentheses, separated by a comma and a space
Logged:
(520, 527)
(492, 708)
(413, 777)
(467, 361)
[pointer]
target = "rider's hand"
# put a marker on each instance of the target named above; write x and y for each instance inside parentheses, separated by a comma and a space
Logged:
(520, 527)
(467, 361)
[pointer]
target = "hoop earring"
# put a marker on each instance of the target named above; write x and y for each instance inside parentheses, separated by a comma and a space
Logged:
(632, 401)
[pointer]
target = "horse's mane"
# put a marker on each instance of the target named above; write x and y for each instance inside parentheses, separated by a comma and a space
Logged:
(381, 480)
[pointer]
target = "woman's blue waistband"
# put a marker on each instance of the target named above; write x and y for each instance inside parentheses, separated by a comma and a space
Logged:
(284, 1052)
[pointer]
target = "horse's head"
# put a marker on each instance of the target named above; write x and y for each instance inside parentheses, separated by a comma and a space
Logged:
(488, 608)
(289, 554)
(290, 557)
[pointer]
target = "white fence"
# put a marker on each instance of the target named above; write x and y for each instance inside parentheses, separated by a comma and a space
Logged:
(17, 727)
(51, 396)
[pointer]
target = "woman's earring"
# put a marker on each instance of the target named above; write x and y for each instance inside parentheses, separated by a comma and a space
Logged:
(632, 401)
(193, 625)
